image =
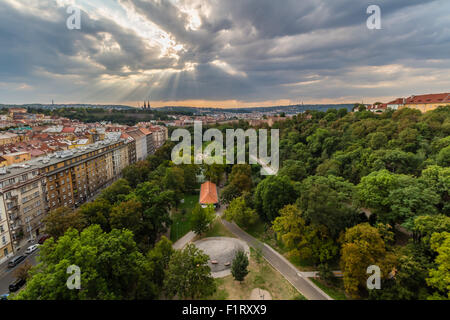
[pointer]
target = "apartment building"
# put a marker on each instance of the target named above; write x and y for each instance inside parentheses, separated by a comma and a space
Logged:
(131, 145)
(9, 137)
(62, 179)
(17, 157)
(427, 102)
(141, 144)
(76, 176)
(149, 139)
(6, 249)
(160, 135)
(22, 203)
(424, 103)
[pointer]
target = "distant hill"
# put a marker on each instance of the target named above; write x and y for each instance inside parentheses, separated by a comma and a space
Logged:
(184, 109)
(286, 109)
(61, 106)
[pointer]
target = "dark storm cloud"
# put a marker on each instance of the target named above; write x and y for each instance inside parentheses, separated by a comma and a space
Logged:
(249, 50)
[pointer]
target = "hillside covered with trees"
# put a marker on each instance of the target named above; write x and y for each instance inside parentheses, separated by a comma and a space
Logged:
(354, 190)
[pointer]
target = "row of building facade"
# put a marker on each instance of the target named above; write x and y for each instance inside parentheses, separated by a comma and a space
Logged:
(64, 179)
(424, 103)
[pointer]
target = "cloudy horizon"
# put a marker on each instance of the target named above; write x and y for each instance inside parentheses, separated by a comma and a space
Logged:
(222, 53)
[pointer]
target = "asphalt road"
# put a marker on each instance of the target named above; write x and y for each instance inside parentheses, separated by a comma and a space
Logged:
(7, 275)
(302, 284)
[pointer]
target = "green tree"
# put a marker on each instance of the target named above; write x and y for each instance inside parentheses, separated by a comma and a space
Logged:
(239, 267)
(136, 173)
(241, 177)
(214, 172)
(362, 246)
(201, 219)
(174, 180)
(439, 276)
(190, 177)
(438, 179)
(327, 201)
(409, 282)
(423, 228)
(129, 215)
(156, 204)
(97, 212)
(409, 200)
(188, 275)
(377, 140)
(443, 158)
(305, 242)
(373, 190)
(58, 221)
(159, 258)
(229, 193)
(272, 194)
(293, 169)
(111, 268)
(116, 192)
(239, 212)
(396, 161)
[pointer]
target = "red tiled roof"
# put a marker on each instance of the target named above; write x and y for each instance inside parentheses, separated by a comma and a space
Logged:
(429, 98)
(208, 193)
(145, 131)
(36, 152)
(68, 130)
(125, 136)
(396, 101)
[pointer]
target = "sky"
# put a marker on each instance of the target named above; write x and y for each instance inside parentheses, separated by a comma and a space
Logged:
(222, 53)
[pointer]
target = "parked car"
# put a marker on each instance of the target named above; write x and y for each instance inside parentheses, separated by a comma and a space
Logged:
(16, 285)
(32, 248)
(43, 238)
(15, 261)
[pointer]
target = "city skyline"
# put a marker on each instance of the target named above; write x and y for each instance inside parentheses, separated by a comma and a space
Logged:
(205, 53)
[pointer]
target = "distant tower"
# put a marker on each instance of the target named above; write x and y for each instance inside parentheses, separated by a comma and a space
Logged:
(148, 105)
(53, 102)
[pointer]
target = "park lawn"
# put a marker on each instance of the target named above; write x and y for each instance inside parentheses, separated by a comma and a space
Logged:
(218, 230)
(262, 276)
(336, 292)
(181, 224)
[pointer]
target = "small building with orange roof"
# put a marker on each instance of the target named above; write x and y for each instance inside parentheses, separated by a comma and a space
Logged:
(208, 194)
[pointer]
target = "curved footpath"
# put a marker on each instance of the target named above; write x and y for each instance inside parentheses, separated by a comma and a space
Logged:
(305, 286)
(298, 279)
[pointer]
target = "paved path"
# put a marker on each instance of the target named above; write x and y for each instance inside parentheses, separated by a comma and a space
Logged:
(307, 288)
(268, 169)
(8, 275)
(184, 240)
(315, 274)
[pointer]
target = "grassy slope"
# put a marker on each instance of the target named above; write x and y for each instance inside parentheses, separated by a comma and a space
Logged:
(336, 292)
(181, 223)
(262, 276)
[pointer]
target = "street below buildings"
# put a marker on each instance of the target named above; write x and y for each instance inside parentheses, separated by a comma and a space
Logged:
(7, 274)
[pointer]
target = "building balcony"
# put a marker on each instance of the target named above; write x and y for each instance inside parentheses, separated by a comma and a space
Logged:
(16, 227)
(12, 209)
(12, 200)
